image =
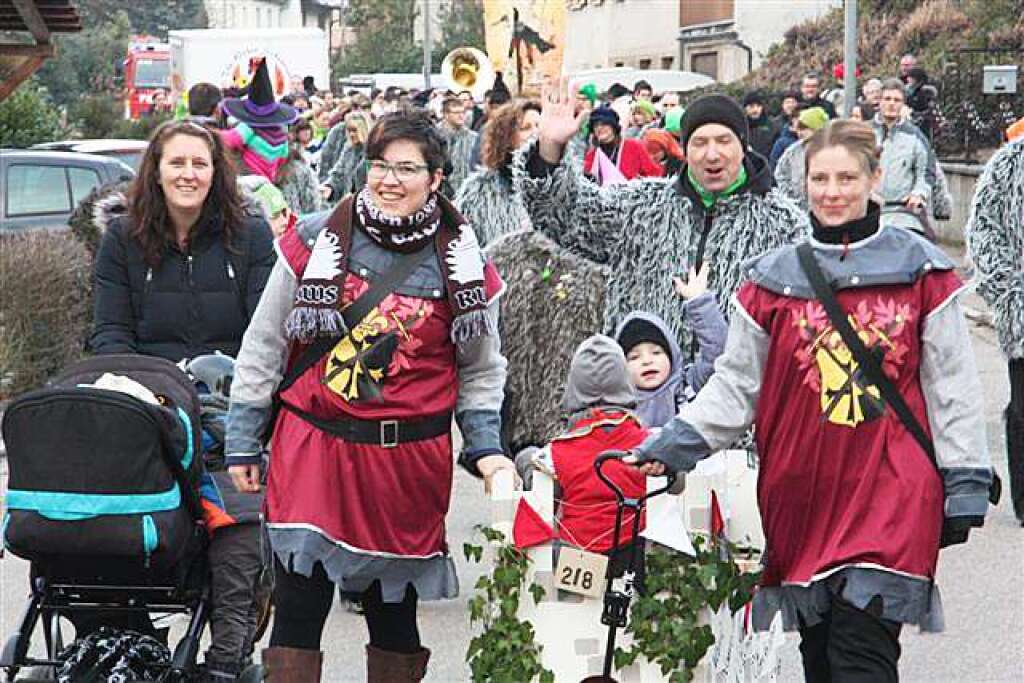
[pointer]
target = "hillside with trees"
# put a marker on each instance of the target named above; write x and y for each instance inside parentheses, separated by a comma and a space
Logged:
(952, 40)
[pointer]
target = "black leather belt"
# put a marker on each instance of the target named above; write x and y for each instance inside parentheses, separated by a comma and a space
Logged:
(383, 433)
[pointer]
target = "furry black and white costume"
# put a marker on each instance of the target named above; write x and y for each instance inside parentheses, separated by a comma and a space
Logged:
(554, 301)
(648, 230)
(995, 238)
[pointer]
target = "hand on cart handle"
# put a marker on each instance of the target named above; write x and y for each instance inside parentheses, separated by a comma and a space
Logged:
(652, 468)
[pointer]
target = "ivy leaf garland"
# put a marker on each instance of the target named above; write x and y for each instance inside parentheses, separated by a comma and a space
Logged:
(664, 620)
(506, 651)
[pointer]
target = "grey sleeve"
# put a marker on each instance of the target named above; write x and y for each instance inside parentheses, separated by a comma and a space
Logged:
(481, 371)
(952, 387)
(921, 186)
(259, 367)
(572, 211)
(724, 408)
(709, 324)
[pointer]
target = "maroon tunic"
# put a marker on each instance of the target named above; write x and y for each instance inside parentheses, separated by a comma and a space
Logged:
(843, 483)
(384, 502)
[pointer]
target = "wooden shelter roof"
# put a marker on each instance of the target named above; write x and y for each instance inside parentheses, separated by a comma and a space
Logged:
(25, 30)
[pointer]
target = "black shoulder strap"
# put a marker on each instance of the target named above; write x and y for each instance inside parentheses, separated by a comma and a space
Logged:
(867, 360)
(354, 313)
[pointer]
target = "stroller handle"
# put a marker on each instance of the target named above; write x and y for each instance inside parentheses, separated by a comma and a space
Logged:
(619, 495)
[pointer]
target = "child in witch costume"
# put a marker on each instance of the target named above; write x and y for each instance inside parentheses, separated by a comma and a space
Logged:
(655, 362)
(260, 136)
(599, 400)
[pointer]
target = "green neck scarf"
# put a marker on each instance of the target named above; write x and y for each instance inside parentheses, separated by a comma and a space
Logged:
(708, 199)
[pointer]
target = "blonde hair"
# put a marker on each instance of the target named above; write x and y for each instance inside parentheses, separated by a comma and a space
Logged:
(361, 122)
(856, 137)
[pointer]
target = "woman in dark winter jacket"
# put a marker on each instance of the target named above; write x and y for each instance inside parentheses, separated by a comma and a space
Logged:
(181, 273)
(178, 275)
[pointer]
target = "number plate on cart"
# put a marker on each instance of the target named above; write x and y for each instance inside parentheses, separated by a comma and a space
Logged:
(581, 572)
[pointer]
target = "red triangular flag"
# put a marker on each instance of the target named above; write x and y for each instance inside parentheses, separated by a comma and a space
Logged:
(529, 528)
(717, 521)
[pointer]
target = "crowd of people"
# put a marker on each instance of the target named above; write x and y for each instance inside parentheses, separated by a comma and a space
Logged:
(435, 259)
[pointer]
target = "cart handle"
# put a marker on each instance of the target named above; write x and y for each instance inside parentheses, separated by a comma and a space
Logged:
(619, 495)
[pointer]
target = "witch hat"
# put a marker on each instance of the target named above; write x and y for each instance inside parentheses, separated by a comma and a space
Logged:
(258, 108)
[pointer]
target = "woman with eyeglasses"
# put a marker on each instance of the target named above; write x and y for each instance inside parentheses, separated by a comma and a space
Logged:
(348, 175)
(361, 476)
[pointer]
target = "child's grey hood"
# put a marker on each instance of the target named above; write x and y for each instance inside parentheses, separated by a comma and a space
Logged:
(598, 377)
(655, 407)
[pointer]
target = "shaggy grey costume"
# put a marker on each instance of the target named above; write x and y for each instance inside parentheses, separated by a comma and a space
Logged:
(554, 301)
(790, 173)
(487, 201)
(460, 150)
(647, 230)
(299, 185)
(995, 237)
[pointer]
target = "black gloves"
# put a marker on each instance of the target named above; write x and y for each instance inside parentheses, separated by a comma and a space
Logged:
(956, 529)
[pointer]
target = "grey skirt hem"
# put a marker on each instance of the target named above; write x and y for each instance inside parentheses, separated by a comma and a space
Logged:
(298, 549)
(905, 599)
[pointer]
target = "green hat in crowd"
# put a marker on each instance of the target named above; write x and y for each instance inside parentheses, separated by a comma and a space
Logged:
(673, 119)
(589, 90)
(646, 107)
(814, 118)
(271, 198)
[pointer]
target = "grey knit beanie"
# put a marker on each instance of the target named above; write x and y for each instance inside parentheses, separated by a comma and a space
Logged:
(598, 377)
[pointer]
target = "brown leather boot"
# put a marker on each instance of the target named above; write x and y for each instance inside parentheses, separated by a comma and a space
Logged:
(292, 665)
(394, 667)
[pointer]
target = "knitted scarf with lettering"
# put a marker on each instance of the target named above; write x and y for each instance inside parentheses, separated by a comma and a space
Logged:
(263, 150)
(317, 311)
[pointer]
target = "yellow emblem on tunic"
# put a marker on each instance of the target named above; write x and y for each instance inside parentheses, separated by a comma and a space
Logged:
(844, 400)
(360, 359)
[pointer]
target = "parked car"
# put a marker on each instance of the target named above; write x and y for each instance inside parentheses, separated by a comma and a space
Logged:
(41, 188)
(126, 150)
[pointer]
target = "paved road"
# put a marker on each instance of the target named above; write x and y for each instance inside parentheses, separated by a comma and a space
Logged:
(982, 585)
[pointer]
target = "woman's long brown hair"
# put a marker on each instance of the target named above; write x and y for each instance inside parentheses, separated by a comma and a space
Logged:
(150, 222)
(501, 131)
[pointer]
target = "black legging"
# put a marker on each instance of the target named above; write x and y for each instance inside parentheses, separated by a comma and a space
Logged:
(301, 606)
(1015, 436)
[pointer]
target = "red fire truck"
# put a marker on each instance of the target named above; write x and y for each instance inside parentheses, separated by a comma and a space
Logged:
(147, 75)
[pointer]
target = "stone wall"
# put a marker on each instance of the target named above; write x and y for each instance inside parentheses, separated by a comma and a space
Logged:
(961, 179)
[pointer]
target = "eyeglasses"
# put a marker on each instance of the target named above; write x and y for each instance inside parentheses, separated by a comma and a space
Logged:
(403, 170)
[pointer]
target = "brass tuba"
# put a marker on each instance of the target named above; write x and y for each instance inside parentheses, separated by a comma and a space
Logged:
(467, 68)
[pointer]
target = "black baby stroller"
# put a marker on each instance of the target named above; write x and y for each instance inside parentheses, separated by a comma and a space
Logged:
(103, 501)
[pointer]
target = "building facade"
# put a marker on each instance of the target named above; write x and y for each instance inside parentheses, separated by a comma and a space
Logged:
(273, 13)
(642, 34)
(726, 39)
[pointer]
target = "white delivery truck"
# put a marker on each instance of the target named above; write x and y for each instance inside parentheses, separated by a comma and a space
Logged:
(228, 57)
